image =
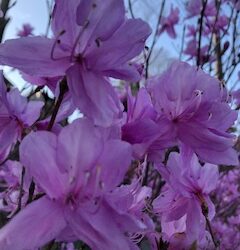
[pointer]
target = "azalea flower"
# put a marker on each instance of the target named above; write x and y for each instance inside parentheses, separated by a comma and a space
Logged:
(186, 193)
(193, 106)
(78, 181)
(16, 115)
(87, 48)
(167, 23)
(26, 30)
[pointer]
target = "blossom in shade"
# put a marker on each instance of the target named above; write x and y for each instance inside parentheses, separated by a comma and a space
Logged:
(78, 182)
(26, 30)
(139, 128)
(10, 181)
(192, 51)
(194, 8)
(167, 23)
(185, 196)
(87, 48)
(191, 31)
(16, 114)
(193, 106)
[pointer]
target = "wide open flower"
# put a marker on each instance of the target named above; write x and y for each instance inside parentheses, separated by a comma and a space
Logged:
(78, 170)
(16, 114)
(88, 48)
(193, 106)
(188, 185)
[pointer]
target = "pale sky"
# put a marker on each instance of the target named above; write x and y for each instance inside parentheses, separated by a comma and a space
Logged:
(27, 11)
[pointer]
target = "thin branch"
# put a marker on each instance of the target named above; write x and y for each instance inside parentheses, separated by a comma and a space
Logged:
(19, 207)
(49, 9)
(225, 31)
(212, 34)
(131, 8)
(63, 89)
(204, 4)
(31, 192)
(205, 213)
(154, 39)
(182, 42)
(146, 173)
(5, 6)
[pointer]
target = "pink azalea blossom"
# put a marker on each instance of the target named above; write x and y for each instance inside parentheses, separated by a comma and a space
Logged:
(78, 181)
(10, 181)
(26, 30)
(16, 114)
(193, 106)
(192, 31)
(194, 8)
(187, 189)
(192, 51)
(88, 48)
(139, 128)
(167, 23)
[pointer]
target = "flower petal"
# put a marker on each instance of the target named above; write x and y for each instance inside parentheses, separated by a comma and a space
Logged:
(97, 230)
(32, 112)
(78, 148)
(38, 155)
(32, 55)
(64, 20)
(94, 96)
(9, 134)
(34, 226)
(114, 164)
(97, 13)
(126, 43)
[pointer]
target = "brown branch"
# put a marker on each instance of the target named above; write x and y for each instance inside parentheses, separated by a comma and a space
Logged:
(5, 6)
(204, 4)
(19, 207)
(205, 213)
(219, 66)
(154, 39)
(63, 89)
(31, 192)
(130, 8)
(182, 42)
(49, 9)
(218, 4)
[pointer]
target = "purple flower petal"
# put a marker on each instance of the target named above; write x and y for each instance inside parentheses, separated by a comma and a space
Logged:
(94, 96)
(36, 225)
(32, 55)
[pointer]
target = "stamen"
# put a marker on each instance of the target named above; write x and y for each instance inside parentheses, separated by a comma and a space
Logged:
(57, 41)
(77, 39)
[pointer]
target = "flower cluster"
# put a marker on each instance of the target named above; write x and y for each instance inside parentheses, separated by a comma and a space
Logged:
(127, 174)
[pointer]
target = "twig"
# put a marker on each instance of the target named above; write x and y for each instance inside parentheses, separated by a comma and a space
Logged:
(205, 213)
(145, 178)
(49, 8)
(19, 207)
(182, 42)
(63, 89)
(204, 4)
(130, 8)
(5, 6)
(31, 192)
(213, 31)
(154, 39)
